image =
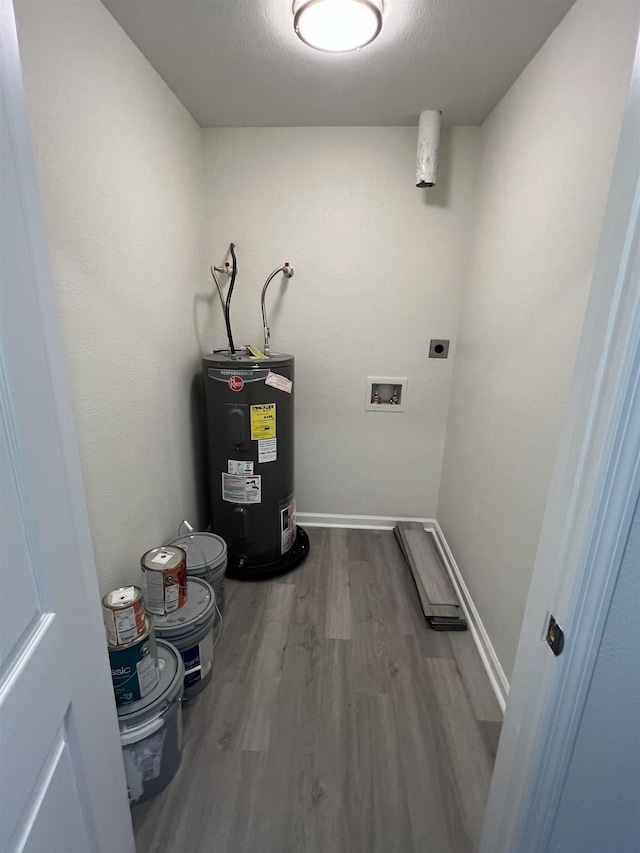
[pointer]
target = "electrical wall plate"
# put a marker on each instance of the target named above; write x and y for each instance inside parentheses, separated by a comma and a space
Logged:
(439, 348)
(386, 393)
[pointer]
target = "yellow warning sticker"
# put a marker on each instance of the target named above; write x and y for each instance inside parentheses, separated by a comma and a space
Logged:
(263, 421)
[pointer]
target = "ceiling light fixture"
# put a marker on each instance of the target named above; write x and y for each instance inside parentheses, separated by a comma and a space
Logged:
(337, 26)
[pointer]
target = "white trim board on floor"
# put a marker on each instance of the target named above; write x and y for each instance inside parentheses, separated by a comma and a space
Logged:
(354, 522)
(487, 653)
(484, 645)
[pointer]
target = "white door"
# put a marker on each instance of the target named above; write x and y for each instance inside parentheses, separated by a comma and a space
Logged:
(62, 784)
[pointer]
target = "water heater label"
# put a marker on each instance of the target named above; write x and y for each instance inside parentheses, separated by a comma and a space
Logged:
(279, 382)
(267, 450)
(287, 527)
(263, 421)
(245, 375)
(240, 489)
(236, 466)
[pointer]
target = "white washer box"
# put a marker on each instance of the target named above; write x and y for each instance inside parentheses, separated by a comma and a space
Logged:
(385, 393)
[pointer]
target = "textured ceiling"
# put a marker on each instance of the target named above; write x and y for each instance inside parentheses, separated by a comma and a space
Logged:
(238, 63)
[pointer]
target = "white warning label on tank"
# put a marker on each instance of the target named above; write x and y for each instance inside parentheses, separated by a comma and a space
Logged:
(287, 527)
(241, 489)
(239, 466)
(279, 382)
(267, 450)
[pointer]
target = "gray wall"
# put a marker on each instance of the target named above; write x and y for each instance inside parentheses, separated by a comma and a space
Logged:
(378, 270)
(546, 158)
(599, 811)
(119, 162)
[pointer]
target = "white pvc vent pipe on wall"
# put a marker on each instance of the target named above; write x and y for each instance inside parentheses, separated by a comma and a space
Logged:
(428, 144)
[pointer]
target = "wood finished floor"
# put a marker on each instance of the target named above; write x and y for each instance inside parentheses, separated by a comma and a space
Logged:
(336, 720)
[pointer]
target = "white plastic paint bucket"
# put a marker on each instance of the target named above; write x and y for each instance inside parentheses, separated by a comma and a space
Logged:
(151, 730)
(191, 630)
(206, 558)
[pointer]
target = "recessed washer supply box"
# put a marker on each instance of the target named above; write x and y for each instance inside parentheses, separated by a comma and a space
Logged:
(385, 393)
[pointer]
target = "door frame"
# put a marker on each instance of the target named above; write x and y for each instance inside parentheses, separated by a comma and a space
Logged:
(593, 494)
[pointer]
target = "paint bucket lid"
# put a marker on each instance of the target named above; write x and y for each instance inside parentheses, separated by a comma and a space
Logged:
(169, 687)
(197, 610)
(204, 550)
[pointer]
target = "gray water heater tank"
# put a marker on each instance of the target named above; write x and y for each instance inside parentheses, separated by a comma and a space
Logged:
(250, 438)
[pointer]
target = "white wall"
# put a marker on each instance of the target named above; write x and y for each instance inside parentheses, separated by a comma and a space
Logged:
(544, 171)
(599, 808)
(119, 162)
(378, 269)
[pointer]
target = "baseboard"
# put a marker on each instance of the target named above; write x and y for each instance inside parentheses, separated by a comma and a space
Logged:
(355, 522)
(484, 645)
(487, 653)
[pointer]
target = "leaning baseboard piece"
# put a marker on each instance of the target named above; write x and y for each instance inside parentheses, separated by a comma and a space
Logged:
(485, 648)
(487, 653)
(439, 600)
(355, 522)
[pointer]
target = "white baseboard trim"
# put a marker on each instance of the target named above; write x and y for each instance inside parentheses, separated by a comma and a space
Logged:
(487, 653)
(355, 522)
(484, 645)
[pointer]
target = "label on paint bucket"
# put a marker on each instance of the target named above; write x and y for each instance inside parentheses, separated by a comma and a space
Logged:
(267, 450)
(206, 653)
(198, 660)
(154, 592)
(123, 614)
(133, 669)
(162, 558)
(172, 598)
(126, 626)
(240, 489)
(147, 676)
(145, 757)
(164, 571)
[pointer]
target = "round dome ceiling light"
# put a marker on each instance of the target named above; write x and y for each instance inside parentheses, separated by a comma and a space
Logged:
(337, 26)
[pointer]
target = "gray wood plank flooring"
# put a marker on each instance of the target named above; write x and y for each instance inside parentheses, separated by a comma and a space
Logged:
(336, 720)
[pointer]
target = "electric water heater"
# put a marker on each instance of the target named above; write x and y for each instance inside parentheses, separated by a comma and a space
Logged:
(250, 429)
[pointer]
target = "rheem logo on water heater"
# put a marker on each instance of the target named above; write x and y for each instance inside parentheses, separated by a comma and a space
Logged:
(236, 383)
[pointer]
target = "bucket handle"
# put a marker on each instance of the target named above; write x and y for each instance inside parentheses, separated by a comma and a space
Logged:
(187, 526)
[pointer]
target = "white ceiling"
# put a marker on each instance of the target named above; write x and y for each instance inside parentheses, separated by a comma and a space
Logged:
(238, 63)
